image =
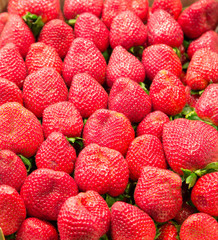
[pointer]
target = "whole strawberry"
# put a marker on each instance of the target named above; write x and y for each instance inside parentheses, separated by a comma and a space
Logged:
(185, 211)
(167, 232)
(131, 223)
(85, 216)
(158, 193)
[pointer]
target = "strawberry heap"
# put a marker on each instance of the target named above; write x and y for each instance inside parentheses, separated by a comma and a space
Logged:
(109, 120)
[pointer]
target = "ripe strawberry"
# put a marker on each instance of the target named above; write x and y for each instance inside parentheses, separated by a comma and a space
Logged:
(163, 28)
(12, 66)
(158, 57)
(34, 228)
(127, 30)
(131, 223)
(3, 19)
(43, 88)
(45, 190)
(17, 32)
(84, 56)
(9, 92)
(108, 129)
(199, 18)
(184, 213)
(199, 226)
(167, 93)
(189, 144)
(206, 107)
(202, 69)
(20, 130)
(62, 117)
(57, 34)
(87, 94)
(41, 55)
(167, 232)
(158, 193)
(124, 64)
(13, 210)
(85, 216)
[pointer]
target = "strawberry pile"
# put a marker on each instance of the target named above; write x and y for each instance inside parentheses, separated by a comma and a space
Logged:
(109, 120)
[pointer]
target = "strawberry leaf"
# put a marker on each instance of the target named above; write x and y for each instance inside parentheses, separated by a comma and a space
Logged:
(186, 43)
(185, 66)
(27, 162)
(191, 180)
(105, 237)
(196, 92)
(72, 22)
(143, 86)
(177, 51)
(77, 140)
(137, 51)
(1, 235)
(9, 237)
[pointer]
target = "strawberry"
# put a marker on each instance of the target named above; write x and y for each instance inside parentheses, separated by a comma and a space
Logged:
(163, 28)
(190, 98)
(57, 34)
(108, 129)
(41, 55)
(127, 30)
(3, 19)
(127, 97)
(12, 66)
(124, 64)
(184, 213)
(20, 130)
(87, 94)
(85, 216)
(167, 232)
(158, 193)
(84, 56)
(13, 211)
(101, 169)
(189, 144)
(167, 93)
(199, 18)
(56, 153)
(43, 88)
(131, 223)
(199, 226)
(158, 57)
(34, 227)
(45, 190)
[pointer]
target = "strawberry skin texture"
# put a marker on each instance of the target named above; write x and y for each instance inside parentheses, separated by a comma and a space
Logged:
(45, 190)
(109, 129)
(13, 211)
(158, 193)
(85, 216)
(185, 211)
(101, 169)
(127, 30)
(131, 223)
(20, 130)
(34, 228)
(167, 232)
(189, 144)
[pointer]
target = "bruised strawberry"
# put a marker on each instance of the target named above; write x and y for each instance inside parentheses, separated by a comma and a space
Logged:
(167, 232)
(131, 223)
(185, 211)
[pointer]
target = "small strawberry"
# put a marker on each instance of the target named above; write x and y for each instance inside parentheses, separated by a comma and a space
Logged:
(167, 232)
(185, 211)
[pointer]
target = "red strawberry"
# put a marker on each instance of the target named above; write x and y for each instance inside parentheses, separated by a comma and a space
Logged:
(190, 98)
(199, 226)
(101, 169)
(17, 32)
(153, 124)
(45, 190)
(127, 30)
(163, 28)
(9, 92)
(87, 94)
(158, 57)
(206, 107)
(3, 19)
(124, 64)
(20, 130)
(84, 56)
(131, 223)
(199, 18)
(85, 216)
(202, 69)
(184, 213)
(62, 117)
(43, 88)
(167, 232)
(12, 66)
(108, 129)
(41, 55)
(56, 153)
(13, 211)
(158, 193)
(189, 144)
(167, 93)
(34, 227)
(145, 150)
(57, 34)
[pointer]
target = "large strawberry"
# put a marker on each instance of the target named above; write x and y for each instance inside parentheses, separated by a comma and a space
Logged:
(167, 232)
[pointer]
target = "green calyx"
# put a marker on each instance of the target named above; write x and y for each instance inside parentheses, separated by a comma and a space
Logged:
(177, 51)
(27, 162)
(143, 86)
(1, 235)
(137, 51)
(77, 140)
(72, 22)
